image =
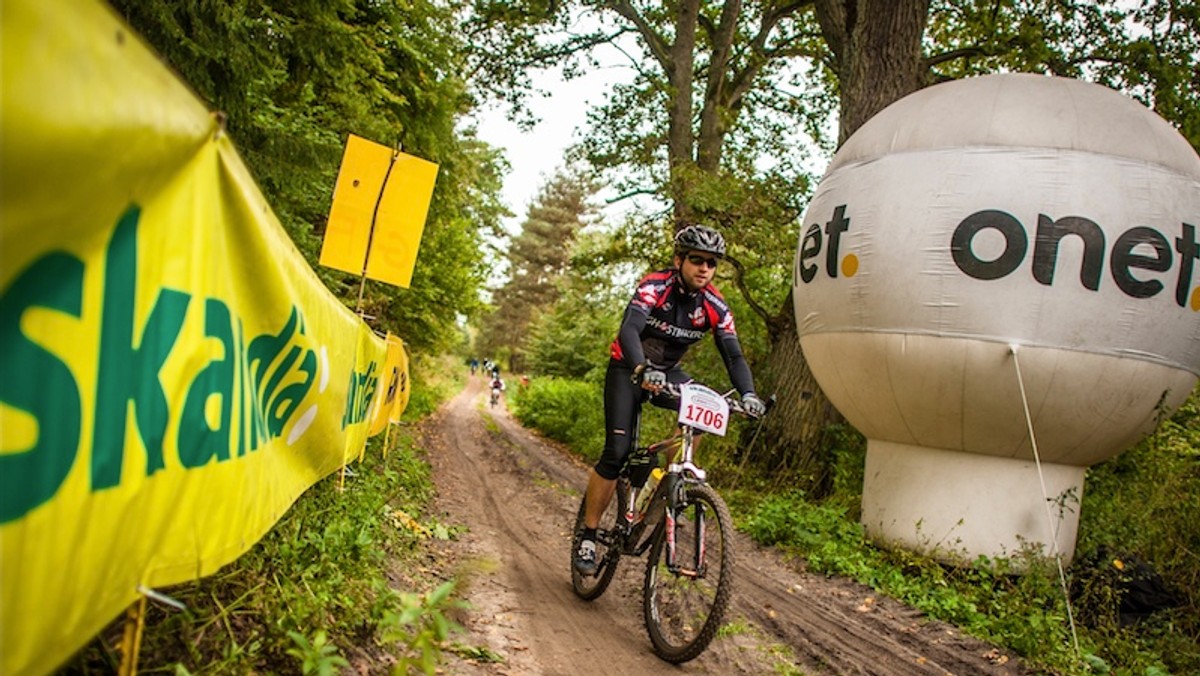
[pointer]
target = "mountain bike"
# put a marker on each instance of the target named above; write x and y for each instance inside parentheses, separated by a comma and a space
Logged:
(681, 521)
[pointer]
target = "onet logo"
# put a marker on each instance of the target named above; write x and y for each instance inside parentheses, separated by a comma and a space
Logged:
(1134, 259)
(1139, 248)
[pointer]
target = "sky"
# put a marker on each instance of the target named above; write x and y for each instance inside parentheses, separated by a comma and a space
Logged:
(536, 155)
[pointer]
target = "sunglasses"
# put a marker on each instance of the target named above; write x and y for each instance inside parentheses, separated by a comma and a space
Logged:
(701, 260)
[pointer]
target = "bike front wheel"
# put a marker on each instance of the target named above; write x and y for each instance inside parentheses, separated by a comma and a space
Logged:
(609, 541)
(687, 589)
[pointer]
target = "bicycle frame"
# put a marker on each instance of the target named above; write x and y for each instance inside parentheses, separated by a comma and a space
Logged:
(662, 506)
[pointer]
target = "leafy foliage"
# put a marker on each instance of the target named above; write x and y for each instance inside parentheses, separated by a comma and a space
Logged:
(421, 626)
(293, 79)
(1150, 50)
(538, 262)
(565, 410)
(1144, 500)
(317, 656)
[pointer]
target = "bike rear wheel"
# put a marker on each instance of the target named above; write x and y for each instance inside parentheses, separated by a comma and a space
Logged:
(608, 544)
(684, 602)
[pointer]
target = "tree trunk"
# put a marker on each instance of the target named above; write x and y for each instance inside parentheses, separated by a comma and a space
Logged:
(884, 62)
(794, 433)
(680, 139)
(877, 49)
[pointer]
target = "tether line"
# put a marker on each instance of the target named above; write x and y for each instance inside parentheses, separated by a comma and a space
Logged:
(1037, 460)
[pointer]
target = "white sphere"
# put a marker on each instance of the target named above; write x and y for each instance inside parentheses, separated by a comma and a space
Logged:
(981, 226)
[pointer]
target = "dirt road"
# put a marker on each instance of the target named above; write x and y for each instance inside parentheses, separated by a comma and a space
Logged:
(517, 495)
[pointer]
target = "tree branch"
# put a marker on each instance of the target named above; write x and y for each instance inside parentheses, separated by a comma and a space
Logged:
(632, 193)
(739, 280)
(658, 46)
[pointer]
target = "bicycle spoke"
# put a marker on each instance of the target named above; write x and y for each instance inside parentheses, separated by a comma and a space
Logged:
(685, 599)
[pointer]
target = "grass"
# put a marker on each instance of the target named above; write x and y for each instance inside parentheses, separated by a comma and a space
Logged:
(1142, 506)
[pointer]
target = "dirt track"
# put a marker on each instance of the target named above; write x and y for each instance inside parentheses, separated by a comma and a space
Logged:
(517, 495)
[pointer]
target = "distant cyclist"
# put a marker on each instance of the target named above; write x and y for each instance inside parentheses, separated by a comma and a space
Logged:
(497, 388)
(670, 310)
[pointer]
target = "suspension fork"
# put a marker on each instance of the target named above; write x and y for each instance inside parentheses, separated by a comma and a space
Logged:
(675, 500)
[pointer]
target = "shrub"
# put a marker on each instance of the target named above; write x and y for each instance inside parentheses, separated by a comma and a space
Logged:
(569, 411)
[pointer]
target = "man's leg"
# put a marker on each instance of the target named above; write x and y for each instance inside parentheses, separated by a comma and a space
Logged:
(599, 494)
(621, 401)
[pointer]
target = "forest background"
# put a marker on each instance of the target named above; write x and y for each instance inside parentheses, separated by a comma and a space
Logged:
(735, 109)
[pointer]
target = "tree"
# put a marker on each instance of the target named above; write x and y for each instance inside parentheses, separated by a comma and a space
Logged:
(716, 78)
(538, 259)
(571, 338)
(293, 79)
(689, 131)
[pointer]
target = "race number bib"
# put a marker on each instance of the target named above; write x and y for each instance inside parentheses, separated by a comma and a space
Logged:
(703, 409)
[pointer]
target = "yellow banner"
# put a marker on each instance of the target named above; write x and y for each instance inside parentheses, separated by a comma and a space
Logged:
(403, 384)
(378, 213)
(173, 375)
(394, 382)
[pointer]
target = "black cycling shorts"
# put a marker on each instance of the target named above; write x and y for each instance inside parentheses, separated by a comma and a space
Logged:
(622, 403)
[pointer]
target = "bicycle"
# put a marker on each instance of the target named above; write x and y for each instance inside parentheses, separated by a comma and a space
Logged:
(684, 524)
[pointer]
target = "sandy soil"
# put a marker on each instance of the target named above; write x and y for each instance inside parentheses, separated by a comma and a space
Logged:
(517, 496)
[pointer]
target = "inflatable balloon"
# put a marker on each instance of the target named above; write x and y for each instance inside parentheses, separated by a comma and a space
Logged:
(996, 283)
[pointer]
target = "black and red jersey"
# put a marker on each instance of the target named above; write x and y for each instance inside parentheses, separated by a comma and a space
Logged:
(664, 318)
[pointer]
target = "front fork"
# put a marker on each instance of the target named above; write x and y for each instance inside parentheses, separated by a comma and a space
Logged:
(676, 499)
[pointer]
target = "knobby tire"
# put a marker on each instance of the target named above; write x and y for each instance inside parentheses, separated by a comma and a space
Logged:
(683, 613)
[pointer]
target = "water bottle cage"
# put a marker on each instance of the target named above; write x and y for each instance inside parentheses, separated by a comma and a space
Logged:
(638, 466)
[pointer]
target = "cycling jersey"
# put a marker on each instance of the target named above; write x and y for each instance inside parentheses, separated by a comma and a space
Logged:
(663, 319)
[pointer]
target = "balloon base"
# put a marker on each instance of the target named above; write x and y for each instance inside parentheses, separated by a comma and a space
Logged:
(957, 506)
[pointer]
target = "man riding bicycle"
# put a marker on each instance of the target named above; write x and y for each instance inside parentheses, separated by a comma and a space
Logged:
(497, 387)
(670, 310)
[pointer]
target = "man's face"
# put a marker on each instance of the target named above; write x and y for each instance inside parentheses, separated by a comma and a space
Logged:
(696, 268)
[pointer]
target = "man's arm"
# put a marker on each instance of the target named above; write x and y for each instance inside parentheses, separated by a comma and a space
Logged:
(735, 362)
(630, 335)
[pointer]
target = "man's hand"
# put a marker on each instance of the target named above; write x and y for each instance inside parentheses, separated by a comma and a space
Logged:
(654, 380)
(753, 406)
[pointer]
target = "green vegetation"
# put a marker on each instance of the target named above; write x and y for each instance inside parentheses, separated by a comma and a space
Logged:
(293, 80)
(335, 582)
(565, 410)
(1143, 502)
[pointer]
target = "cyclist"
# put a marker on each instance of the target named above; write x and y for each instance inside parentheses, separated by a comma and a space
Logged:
(670, 310)
(497, 387)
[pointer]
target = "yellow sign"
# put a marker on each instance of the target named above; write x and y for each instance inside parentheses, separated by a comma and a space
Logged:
(379, 207)
(173, 375)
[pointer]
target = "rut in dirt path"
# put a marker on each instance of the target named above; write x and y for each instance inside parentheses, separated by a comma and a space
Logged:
(517, 496)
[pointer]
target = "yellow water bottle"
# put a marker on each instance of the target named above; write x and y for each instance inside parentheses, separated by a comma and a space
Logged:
(643, 499)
